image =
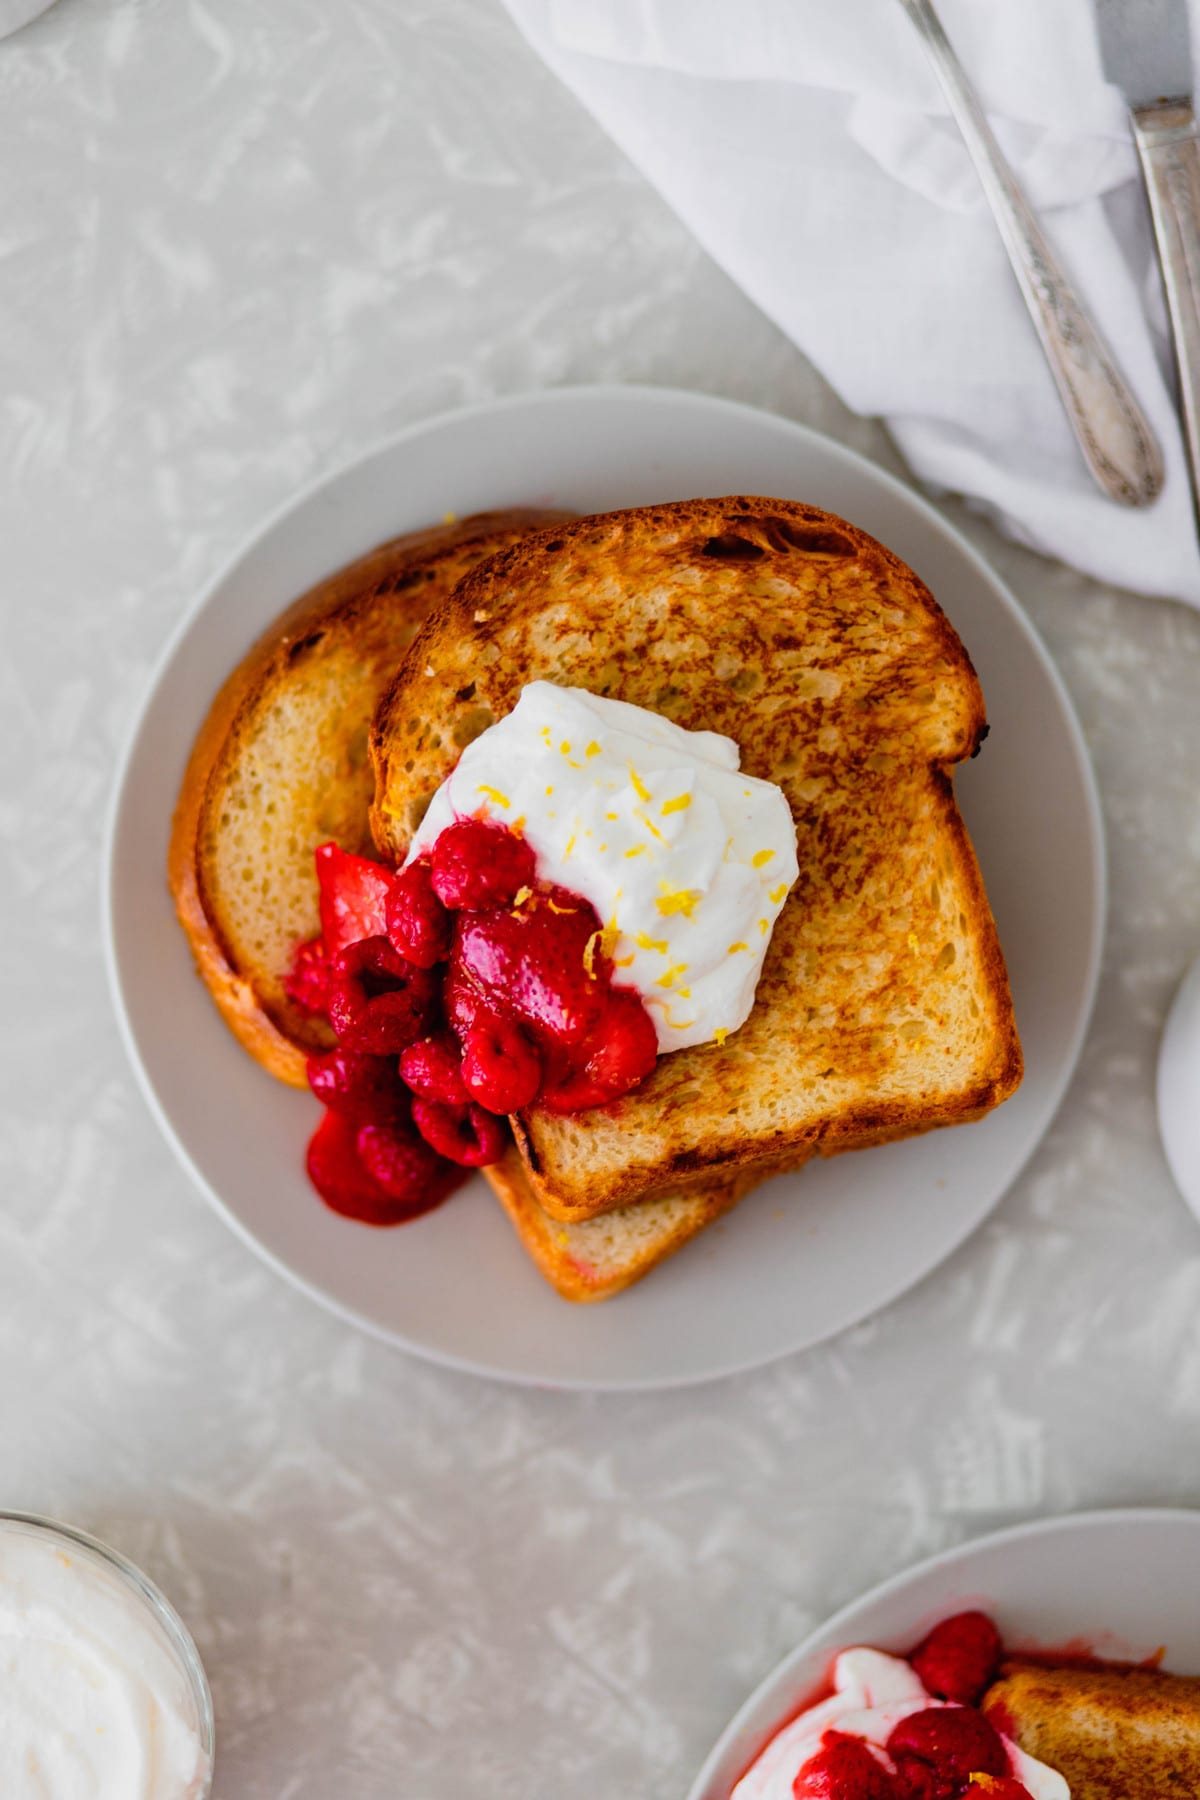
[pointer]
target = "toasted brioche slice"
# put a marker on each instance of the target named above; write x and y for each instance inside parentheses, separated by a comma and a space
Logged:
(884, 1006)
(281, 765)
(1113, 1735)
(596, 1258)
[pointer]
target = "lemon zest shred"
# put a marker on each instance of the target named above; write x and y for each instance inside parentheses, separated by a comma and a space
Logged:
(638, 850)
(761, 858)
(734, 948)
(677, 900)
(622, 962)
(668, 980)
(645, 942)
(719, 1036)
(522, 895)
(676, 1024)
(764, 925)
(639, 786)
(559, 909)
(776, 894)
(680, 803)
(494, 794)
(593, 749)
(565, 746)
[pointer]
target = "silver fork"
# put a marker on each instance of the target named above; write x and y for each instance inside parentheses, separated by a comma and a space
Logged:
(1112, 431)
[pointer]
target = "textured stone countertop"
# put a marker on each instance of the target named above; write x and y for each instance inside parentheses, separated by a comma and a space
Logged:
(238, 243)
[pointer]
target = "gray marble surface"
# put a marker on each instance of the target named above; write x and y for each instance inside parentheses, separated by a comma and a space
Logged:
(237, 243)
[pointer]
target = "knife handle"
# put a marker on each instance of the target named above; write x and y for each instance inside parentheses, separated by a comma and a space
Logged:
(1165, 135)
(1112, 431)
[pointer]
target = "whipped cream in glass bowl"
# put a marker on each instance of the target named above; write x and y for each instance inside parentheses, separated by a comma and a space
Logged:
(102, 1693)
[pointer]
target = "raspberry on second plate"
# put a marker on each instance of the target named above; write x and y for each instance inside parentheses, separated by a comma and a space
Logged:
(959, 1658)
(937, 1751)
(844, 1769)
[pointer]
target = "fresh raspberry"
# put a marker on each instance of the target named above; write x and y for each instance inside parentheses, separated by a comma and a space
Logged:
(339, 1175)
(307, 981)
(417, 922)
(466, 1135)
(479, 864)
(353, 895)
(959, 1658)
(410, 1171)
(620, 1051)
(432, 1067)
(500, 1066)
(378, 1002)
(363, 1088)
(534, 963)
(936, 1751)
(844, 1769)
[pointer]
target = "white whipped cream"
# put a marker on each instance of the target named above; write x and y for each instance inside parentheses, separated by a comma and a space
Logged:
(872, 1693)
(94, 1701)
(686, 860)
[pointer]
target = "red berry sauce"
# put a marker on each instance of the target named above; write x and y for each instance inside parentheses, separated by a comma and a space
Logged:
(460, 989)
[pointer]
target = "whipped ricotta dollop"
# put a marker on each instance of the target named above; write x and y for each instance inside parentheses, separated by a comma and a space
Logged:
(95, 1703)
(872, 1693)
(686, 860)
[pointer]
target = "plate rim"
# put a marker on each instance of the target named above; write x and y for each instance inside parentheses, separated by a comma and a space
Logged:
(1053, 1525)
(299, 501)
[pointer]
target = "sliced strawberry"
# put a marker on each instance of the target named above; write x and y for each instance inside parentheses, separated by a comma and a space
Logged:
(534, 962)
(353, 897)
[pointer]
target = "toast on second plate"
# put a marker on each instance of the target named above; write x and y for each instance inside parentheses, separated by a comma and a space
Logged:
(884, 1007)
(281, 765)
(1113, 1735)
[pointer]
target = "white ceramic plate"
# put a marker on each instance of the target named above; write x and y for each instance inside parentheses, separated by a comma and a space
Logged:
(1123, 1584)
(802, 1257)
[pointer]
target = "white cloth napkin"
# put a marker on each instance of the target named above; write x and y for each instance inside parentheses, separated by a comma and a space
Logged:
(807, 145)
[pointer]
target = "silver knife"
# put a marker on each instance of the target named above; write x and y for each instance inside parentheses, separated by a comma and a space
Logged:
(1111, 429)
(1145, 47)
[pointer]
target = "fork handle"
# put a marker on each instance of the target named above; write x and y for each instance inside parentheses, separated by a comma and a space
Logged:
(1113, 432)
(1165, 135)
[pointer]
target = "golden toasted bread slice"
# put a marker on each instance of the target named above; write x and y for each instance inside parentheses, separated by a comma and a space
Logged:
(596, 1258)
(1112, 1735)
(884, 1006)
(281, 765)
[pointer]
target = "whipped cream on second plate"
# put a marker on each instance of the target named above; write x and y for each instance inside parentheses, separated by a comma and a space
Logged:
(872, 1693)
(686, 860)
(94, 1703)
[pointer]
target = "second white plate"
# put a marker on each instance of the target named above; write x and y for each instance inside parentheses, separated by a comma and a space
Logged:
(802, 1257)
(1121, 1584)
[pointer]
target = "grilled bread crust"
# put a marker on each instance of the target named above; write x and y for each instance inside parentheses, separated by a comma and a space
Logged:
(596, 1258)
(1113, 1735)
(884, 1007)
(280, 765)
